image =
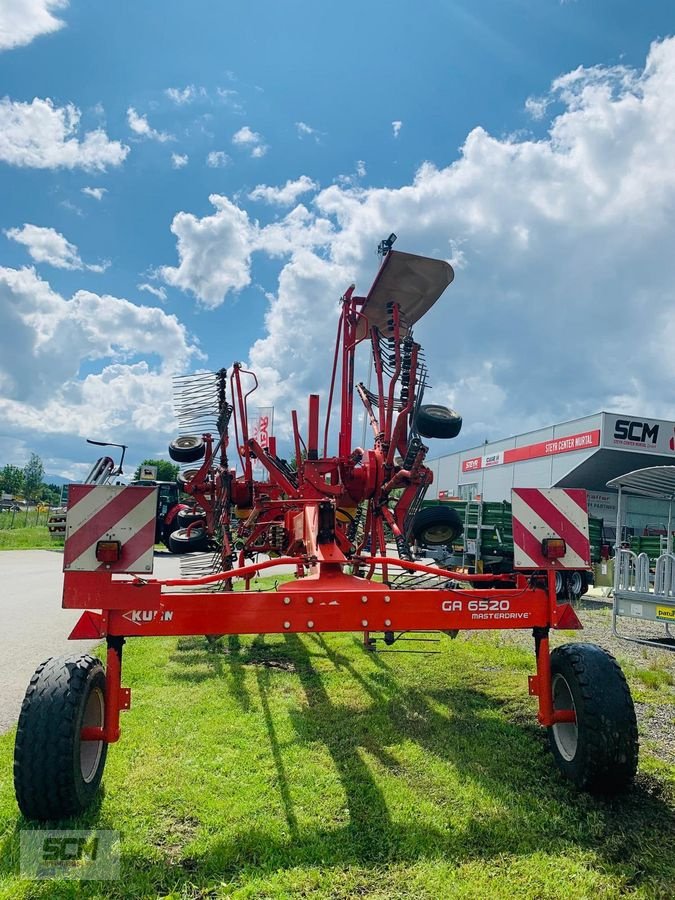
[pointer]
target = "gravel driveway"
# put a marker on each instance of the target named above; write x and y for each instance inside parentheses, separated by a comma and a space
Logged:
(656, 716)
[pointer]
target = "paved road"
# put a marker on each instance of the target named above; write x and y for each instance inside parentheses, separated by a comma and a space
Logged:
(32, 624)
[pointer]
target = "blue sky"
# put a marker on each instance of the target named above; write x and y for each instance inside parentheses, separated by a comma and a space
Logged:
(149, 143)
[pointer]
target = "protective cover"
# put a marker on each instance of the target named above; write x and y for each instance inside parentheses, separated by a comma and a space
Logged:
(414, 282)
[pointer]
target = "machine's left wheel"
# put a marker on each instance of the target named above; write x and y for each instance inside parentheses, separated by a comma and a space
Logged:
(56, 774)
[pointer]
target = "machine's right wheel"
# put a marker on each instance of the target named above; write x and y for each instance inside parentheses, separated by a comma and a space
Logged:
(599, 751)
(56, 774)
(182, 541)
(437, 526)
(187, 448)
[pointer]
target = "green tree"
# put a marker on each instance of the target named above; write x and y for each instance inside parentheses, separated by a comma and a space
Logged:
(33, 474)
(166, 471)
(51, 494)
(11, 480)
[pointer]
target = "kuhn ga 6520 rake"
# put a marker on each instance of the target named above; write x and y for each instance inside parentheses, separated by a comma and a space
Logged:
(346, 524)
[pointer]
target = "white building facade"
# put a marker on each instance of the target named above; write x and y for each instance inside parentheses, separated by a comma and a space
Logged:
(583, 453)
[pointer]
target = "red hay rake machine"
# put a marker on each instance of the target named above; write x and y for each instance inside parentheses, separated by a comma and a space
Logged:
(346, 523)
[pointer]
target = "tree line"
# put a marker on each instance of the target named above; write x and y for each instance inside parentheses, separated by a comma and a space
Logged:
(28, 482)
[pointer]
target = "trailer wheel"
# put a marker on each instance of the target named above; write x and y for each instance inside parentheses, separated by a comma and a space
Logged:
(438, 422)
(599, 751)
(182, 541)
(436, 526)
(187, 448)
(578, 582)
(56, 774)
(560, 586)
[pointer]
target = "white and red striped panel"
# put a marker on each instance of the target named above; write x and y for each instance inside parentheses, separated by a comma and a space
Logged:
(110, 513)
(550, 513)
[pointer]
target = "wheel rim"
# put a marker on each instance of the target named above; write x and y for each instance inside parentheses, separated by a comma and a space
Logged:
(438, 534)
(565, 734)
(575, 582)
(558, 583)
(187, 442)
(90, 751)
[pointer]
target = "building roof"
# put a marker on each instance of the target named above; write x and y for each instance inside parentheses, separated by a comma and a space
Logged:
(654, 481)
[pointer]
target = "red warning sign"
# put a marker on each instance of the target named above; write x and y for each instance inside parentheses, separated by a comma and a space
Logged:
(110, 513)
(540, 514)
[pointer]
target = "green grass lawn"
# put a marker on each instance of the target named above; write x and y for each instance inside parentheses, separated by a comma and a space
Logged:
(30, 537)
(300, 766)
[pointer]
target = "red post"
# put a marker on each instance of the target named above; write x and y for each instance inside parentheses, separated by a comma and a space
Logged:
(313, 427)
(110, 733)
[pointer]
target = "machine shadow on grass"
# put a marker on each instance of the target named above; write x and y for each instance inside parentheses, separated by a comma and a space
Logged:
(489, 741)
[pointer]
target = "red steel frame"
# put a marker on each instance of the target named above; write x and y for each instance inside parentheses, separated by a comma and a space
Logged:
(323, 597)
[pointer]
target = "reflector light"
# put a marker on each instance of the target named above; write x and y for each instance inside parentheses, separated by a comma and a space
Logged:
(553, 548)
(108, 551)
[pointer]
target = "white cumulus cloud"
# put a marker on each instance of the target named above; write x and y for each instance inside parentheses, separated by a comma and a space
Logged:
(95, 192)
(23, 20)
(40, 135)
(286, 195)
(214, 252)
(396, 127)
(179, 160)
(250, 139)
(217, 159)
(158, 292)
(130, 352)
(140, 126)
(563, 301)
(305, 130)
(46, 245)
(183, 96)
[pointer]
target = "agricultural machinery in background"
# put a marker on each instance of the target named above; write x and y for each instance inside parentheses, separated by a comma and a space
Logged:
(104, 470)
(345, 520)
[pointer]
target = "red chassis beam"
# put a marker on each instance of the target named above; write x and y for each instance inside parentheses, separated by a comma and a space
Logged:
(335, 602)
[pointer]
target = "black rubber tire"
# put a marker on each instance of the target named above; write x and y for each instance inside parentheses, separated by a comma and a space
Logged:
(187, 448)
(189, 518)
(167, 531)
(186, 476)
(48, 767)
(434, 421)
(599, 754)
(436, 526)
(182, 542)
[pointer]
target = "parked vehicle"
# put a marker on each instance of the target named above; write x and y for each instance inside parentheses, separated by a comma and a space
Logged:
(485, 541)
(103, 471)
